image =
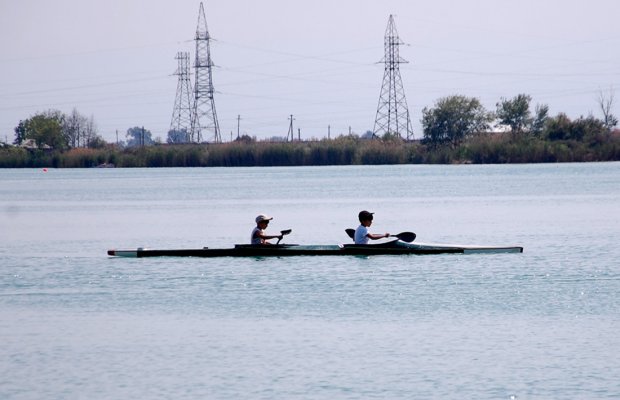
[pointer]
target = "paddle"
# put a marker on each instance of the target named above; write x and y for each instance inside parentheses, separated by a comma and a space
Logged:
(404, 236)
(284, 232)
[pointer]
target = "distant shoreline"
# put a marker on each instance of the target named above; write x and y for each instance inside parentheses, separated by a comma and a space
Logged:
(480, 149)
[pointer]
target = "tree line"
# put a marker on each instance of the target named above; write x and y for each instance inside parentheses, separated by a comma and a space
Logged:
(56, 130)
(481, 148)
(456, 118)
(59, 131)
(457, 129)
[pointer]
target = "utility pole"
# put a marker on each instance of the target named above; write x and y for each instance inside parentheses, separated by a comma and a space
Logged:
(204, 117)
(392, 111)
(329, 129)
(238, 123)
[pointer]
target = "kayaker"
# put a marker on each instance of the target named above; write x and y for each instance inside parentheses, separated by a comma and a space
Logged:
(361, 233)
(258, 233)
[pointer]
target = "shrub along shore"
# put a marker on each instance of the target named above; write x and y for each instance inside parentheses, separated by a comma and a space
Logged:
(484, 148)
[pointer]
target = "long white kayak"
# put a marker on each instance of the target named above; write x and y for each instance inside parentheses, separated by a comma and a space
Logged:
(395, 247)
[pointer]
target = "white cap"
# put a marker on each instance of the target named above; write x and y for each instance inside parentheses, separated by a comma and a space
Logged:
(263, 217)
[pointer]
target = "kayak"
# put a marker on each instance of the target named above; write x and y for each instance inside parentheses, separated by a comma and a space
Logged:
(396, 247)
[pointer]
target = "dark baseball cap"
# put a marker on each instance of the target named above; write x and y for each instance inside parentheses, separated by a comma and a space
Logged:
(365, 215)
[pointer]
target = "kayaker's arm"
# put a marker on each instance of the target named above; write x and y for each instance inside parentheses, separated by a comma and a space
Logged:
(375, 236)
(268, 237)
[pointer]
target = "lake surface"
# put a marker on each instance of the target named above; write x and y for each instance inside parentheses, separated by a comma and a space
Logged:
(77, 324)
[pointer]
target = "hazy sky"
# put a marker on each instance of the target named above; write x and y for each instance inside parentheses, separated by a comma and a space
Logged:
(317, 60)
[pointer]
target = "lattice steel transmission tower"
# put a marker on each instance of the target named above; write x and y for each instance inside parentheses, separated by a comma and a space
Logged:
(204, 117)
(181, 122)
(392, 111)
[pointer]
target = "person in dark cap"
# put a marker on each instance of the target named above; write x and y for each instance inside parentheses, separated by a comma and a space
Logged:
(258, 233)
(361, 233)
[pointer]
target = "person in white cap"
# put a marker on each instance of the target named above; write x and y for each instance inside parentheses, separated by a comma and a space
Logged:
(361, 233)
(258, 233)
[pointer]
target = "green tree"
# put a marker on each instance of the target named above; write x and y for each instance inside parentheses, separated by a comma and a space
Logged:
(562, 128)
(453, 119)
(391, 137)
(44, 128)
(20, 133)
(178, 136)
(138, 136)
(558, 127)
(539, 120)
(245, 139)
(586, 129)
(97, 142)
(515, 113)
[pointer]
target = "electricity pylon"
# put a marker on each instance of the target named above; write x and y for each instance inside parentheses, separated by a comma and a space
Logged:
(291, 133)
(181, 122)
(392, 111)
(204, 117)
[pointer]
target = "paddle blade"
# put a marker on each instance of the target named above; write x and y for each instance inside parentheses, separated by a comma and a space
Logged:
(284, 232)
(350, 232)
(406, 236)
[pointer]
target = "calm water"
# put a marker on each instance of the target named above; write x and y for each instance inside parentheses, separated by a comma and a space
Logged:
(75, 324)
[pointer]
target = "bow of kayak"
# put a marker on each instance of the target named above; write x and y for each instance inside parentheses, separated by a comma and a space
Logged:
(464, 249)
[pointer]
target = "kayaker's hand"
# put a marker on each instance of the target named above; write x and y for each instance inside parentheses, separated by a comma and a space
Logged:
(387, 235)
(280, 237)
